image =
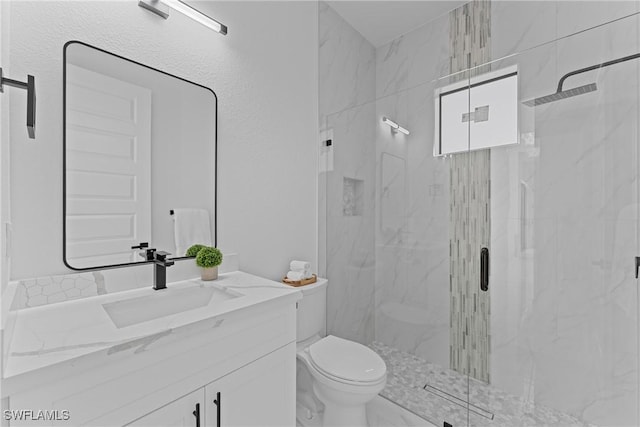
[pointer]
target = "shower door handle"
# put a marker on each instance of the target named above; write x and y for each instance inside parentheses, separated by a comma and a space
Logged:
(484, 269)
(637, 265)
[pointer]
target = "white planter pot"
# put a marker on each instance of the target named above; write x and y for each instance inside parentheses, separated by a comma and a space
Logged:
(210, 273)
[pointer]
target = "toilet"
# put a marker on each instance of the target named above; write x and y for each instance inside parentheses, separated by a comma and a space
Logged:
(336, 377)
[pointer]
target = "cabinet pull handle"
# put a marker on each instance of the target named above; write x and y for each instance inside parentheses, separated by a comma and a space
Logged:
(196, 414)
(484, 269)
(218, 404)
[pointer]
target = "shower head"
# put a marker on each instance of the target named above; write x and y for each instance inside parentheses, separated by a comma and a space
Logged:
(561, 94)
(580, 90)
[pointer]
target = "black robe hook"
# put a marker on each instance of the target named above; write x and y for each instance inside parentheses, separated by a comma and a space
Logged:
(30, 87)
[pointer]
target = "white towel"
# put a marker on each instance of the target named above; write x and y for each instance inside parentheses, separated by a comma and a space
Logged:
(300, 266)
(191, 226)
(306, 273)
(295, 275)
(303, 267)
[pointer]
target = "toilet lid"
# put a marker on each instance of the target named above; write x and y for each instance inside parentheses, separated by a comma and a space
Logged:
(347, 360)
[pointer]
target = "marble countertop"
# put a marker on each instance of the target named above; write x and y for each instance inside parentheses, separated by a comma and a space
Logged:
(56, 335)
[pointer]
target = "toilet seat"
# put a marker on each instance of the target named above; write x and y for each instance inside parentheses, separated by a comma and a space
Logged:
(347, 361)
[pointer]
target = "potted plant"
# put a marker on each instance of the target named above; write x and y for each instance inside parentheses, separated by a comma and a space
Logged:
(209, 259)
(193, 250)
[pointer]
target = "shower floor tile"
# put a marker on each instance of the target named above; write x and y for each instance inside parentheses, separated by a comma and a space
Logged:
(439, 394)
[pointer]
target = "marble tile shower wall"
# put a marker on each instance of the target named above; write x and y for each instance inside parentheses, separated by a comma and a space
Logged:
(405, 69)
(350, 232)
(560, 203)
(412, 254)
(346, 64)
(582, 295)
(546, 302)
(421, 55)
(412, 243)
(346, 193)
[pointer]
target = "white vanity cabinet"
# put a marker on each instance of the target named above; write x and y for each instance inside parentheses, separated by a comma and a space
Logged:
(260, 394)
(187, 411)
(242, 348)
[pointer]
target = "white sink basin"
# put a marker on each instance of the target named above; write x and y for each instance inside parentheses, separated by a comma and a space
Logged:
(163, 303)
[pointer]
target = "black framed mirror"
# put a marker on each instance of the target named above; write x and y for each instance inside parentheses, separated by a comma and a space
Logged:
(140, 146)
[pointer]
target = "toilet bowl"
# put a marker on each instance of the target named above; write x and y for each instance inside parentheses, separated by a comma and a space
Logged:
(335, 377)
(345, 377)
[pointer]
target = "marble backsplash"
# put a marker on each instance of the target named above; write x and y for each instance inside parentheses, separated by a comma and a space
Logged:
(38, 291)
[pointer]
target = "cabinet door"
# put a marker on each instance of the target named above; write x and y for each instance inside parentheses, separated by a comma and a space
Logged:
(262, 393)
(188, 411)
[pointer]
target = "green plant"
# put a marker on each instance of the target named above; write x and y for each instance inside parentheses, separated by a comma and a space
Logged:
(193, 250)
(209, 257)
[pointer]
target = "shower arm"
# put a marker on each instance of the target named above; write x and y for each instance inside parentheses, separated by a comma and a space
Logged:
(595, 67)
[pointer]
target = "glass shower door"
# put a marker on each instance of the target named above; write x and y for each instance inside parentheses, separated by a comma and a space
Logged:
(563, 237)
(446, 385)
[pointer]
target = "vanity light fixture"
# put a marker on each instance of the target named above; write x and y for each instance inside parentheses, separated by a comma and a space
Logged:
(161, 8)
(394, 126)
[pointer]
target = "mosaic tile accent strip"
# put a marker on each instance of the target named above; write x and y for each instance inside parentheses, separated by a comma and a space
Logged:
(469, 232)
(407, 375)
(470, 37)
(53, 289)
(469, 227)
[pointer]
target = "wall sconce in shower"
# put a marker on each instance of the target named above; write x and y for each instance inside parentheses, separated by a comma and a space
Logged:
(394, 126)
(161, 8)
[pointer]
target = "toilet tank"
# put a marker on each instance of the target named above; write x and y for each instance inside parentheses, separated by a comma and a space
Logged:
(312, 310)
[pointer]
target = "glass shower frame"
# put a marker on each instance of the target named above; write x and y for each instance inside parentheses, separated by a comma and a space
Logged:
(564, 224)
(399, 314)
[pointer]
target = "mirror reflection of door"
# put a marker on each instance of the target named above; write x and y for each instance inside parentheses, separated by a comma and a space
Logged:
(108, 170)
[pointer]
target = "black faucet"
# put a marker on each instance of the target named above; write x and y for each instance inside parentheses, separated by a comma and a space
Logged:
(160, 270)
(161, 262)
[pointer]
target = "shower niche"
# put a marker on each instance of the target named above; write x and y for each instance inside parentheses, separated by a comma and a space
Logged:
(352, 196)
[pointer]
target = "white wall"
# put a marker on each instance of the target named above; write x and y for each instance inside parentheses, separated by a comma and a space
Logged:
(264, 73)
(4, 199)
(4, 151)
(268, 115)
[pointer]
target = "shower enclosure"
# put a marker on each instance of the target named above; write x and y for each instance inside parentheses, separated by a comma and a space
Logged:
(489, 256)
